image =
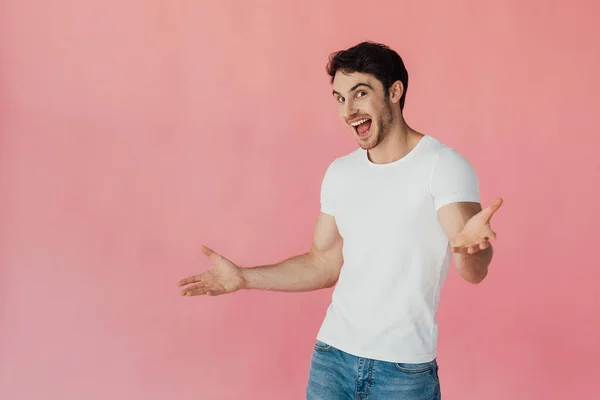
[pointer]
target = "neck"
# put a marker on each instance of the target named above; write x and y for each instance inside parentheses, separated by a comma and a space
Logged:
(398, 142)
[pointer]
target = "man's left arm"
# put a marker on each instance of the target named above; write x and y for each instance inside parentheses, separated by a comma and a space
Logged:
(455, 190)
(469, 233)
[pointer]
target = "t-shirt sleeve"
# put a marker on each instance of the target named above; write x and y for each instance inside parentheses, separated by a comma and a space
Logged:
(453, 180)
(327, 192)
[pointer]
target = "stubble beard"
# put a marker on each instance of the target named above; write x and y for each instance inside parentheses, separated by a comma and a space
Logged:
(383, 126)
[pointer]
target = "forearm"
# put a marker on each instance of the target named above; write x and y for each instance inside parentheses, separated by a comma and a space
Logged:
(302, 273)
(474, 267)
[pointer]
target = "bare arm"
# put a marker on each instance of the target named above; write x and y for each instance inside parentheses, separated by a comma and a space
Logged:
(317, 269)
(468, 229)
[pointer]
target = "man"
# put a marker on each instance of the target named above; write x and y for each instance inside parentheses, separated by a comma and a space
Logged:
(393, 212)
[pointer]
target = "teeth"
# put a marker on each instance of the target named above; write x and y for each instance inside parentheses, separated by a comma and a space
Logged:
(357, 123)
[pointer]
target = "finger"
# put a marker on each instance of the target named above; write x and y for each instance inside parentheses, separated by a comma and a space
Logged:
(209, 253)
(473, 249)
(484, 245)
(198, 292)
(490, 235)
(459, 249)
(496, 204)
(193, 287)
(190, 279)
(492, 208)
(459, 241)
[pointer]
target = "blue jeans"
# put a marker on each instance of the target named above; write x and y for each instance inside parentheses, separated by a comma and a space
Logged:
(336, 375)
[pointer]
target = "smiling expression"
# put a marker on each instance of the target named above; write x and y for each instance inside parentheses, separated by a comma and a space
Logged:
(363, 106)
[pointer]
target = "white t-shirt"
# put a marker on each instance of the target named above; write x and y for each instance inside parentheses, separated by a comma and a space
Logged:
(396, 254)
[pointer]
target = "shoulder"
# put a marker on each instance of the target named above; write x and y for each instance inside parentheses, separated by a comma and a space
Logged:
(351, 159)
(347, 162)
(453, 178)
(445, 156)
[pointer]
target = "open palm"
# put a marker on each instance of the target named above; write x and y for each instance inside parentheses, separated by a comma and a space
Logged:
(477, 232)
(223, 277)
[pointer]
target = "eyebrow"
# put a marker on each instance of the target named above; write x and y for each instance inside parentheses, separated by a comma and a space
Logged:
(353, 88)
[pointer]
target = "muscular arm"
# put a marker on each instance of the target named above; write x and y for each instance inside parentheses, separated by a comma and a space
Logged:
(317, 269)
(453, 218)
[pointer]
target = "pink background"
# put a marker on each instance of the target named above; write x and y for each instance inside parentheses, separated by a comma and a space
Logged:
(132, 132)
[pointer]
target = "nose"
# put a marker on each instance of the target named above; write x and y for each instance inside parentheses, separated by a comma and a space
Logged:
(349, 109)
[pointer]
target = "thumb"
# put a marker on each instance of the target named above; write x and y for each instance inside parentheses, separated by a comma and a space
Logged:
(492, 208)
(209, 253)
(496, 204)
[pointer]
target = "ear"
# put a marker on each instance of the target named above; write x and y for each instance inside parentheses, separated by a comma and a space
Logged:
(396, 91)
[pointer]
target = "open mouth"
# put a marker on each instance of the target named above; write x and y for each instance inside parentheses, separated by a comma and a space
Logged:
(362, 126)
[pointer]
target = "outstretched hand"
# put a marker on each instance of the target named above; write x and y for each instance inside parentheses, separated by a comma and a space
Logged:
(477, 233)
(223, 277)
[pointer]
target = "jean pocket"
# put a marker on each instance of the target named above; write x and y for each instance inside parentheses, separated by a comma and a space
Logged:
(320, 346)
(414, 369)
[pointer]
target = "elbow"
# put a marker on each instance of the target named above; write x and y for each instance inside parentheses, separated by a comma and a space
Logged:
(475, 278)
(330, 283)
(475, 281)
(327, 267)
(334, 273)
(330, 279)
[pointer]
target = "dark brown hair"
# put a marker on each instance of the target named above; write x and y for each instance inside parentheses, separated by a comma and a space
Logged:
(371, 58)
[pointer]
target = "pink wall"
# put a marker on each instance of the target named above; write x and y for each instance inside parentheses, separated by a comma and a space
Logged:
(132, 132)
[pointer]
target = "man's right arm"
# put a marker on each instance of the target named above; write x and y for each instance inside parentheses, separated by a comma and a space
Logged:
(317, 269)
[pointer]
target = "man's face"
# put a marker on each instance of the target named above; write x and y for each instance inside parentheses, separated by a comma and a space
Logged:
(364, 107)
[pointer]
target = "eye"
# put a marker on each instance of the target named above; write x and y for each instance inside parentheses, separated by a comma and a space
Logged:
(340, 99)
(361, 93)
